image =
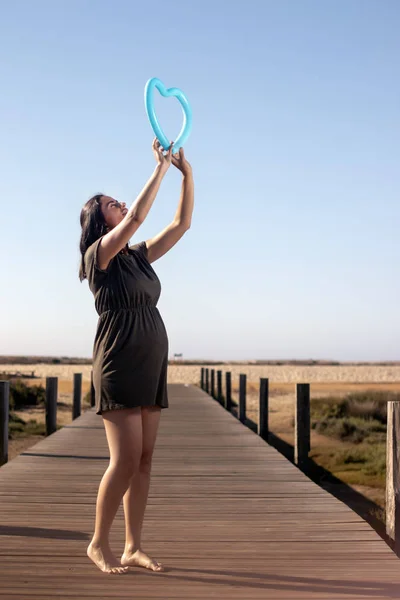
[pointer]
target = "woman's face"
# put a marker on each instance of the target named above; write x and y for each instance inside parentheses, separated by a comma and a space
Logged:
(113, 211)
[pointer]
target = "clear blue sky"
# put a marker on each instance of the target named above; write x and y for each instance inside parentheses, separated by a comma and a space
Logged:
(294, 248)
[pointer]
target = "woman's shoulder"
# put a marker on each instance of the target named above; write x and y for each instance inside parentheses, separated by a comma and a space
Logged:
(140, 249)
(91, 260)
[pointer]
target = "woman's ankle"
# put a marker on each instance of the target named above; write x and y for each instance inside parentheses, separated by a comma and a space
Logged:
(99, 543)
(131, 548)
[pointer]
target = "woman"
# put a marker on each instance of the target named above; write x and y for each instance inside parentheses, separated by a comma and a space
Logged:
(130, 351)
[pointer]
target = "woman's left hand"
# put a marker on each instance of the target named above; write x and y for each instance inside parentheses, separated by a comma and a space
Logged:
(179, 161)
(163, 160)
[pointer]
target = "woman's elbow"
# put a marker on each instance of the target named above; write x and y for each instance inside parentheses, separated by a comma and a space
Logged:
(183, 224)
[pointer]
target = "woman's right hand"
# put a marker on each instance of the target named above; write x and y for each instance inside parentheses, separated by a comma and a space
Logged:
(163, 160)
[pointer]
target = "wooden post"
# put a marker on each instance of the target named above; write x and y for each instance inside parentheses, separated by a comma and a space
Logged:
(302, 424)
(393, 473)
(242, 398)
(77, 397)
(207, 380)
(202, 378)
(51, 404)
(263, 409)
(228, 391)
(4, 417)
(92, 392)
(219, 386)
(213, 383)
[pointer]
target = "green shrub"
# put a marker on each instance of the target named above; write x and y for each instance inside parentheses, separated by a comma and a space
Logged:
(364, 405)
(351, 429)
(34, 428)
(17, 427)
(363, 464)
(23, 395)
(351, 456)
(369, 405)
(356, 418)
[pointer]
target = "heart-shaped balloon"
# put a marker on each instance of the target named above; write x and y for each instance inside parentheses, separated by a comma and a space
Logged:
(151, 113)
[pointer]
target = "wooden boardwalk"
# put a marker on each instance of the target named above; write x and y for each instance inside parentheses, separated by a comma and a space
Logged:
(227, 515)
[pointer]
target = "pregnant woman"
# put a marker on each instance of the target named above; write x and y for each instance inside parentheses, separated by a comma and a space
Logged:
(130, 355)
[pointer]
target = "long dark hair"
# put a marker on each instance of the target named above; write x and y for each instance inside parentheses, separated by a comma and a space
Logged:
(93, 227)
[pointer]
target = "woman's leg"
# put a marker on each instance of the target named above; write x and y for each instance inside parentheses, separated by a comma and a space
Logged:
(124, 435)
(135, 499)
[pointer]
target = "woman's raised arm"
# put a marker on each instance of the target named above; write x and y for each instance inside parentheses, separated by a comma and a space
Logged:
(117, 238)
(166, 239)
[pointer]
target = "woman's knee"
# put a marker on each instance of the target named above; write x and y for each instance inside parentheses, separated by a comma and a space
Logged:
(124, 435)
(145, 461)
(126, 466)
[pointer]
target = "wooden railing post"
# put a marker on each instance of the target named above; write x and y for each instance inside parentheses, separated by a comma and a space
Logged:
(202, 378)
(228, 391)
(393, 473)
(213, 383)
(263, 409)
(92, 392)
(51, 404)
(219, 386)
(4, 417)
(207, 380)
(242, 398)
(77, 396)
(302, 424)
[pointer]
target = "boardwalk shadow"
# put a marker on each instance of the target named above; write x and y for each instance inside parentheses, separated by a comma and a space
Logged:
(41, 532)
(284, 583)
(45, 455)
(82, 427)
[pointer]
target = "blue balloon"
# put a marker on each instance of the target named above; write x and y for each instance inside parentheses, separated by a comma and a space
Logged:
(151, 113)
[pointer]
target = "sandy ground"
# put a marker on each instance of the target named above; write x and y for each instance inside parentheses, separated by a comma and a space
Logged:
(277, 374)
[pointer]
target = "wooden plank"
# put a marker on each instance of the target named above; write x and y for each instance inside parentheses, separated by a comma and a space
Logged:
(228, 515)
(393, 472)
(92, 391)
(212, 392)
(228, 391)
(77, 396)
(302, 424)
(242, 397)
(263, 409)
(4, 420)
(51, 404)
(219, 386)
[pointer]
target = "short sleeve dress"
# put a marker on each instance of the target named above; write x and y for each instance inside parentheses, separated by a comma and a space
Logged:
(130, 352)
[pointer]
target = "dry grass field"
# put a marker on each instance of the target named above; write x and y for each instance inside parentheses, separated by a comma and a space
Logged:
(364, 374)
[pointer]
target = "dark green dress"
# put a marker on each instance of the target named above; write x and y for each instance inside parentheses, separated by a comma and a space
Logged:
(130, 353)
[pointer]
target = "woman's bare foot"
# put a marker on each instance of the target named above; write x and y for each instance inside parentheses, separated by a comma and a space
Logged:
(140, 559)
(105, 559)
